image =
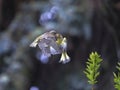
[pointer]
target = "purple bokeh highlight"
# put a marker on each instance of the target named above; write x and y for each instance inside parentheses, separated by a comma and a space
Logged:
(48, 16)
(34, 88)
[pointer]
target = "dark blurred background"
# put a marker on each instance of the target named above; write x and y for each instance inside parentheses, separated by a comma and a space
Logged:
(89, 25)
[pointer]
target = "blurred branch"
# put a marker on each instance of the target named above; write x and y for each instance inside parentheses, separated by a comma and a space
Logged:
(0, 14)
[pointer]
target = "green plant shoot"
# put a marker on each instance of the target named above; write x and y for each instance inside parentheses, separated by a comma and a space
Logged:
(117, 78)
(93, 65)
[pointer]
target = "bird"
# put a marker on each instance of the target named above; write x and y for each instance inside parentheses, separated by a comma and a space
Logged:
(47, 35)
(52, 43)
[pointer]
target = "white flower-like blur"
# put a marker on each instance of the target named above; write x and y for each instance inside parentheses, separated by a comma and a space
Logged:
(64, 58)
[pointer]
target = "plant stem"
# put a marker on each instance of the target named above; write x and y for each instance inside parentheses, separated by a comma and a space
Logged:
(92, 87)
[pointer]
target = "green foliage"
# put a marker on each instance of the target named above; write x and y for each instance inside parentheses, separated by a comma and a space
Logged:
(117, 77)
(93, 65)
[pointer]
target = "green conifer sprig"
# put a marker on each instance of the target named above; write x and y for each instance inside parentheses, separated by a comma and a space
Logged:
(117, 78)
(93, 65)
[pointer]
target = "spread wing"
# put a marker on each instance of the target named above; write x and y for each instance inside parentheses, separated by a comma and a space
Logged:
(49, 46)
(35, 42)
